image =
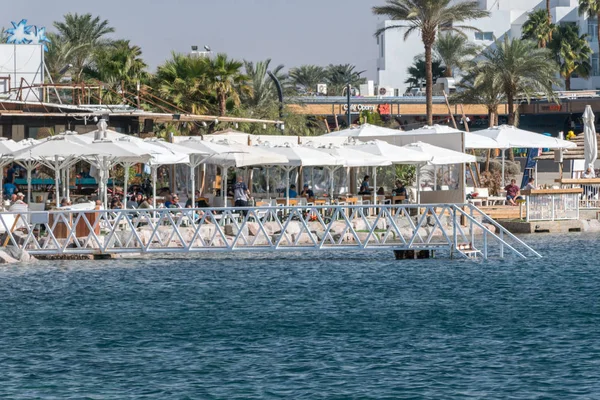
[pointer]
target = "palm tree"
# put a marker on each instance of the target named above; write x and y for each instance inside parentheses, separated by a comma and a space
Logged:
(264, 91)
(225, 79)
(454, 50)
(338, 76)
(306, 78)
(119, 65)
(416, 72)
(85, 33)
(479, 87)
(60, 53)
(428, 17)
(572, 53)
(180, 81)
(521, 68)
(538, 27)
(592, 9)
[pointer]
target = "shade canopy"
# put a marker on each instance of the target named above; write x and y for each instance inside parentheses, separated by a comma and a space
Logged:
(590, 141)
(56, 146)
(243, 156)
(440, 155)
(364, 130)
(355, 158)
(393, 153)
(305, 156)
(471, 141)
(509, 136)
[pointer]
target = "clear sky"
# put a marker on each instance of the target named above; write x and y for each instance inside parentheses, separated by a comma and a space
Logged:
(290, 32)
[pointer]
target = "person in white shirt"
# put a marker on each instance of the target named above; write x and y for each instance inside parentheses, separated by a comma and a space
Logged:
(589, 173)
(530, 185)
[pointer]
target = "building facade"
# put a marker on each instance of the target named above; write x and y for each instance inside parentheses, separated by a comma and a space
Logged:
(506, 18)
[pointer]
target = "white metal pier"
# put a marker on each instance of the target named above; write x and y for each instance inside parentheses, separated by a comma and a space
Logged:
(457, 230)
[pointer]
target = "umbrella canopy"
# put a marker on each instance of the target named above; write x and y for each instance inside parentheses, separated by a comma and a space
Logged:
(441, 156)
(8, 146)
(364, 130)
(57, 152)
(305, 156)
(355, 158)
(471, 141)
(590, 141)
(396, 154)
(509, 136)
(242, 156)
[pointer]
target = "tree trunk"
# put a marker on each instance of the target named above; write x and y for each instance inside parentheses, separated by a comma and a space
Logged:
(511, 121)
(448, 72)
(598, 25)
(568, 82)
(511, 110)
(222, 104)
(428, 84)
(549, 20)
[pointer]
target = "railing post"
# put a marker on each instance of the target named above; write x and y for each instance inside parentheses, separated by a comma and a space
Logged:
(485, 243)
(501, 244)
(472, 233)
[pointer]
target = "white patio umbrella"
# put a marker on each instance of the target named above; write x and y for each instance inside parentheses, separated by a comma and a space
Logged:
(509, 136)
(7, 147)
(204, 151)
(353, 158)
(590, 141)
(439, 156)
(395, 154)
(112, 152)
(364, 130)
(471, 141)
(245, 156)
(56, 153)
(301, 156)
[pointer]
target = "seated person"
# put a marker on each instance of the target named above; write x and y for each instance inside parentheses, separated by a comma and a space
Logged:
(19, 204)
(64, 202)
(307, 192)
(530, 185)
(146, 203)
(380, 191)
(168, 201)
(512, 192)
(292, 191)
(364, 186)
(174, 203)
(399, 190)
(9, 189)
(589, 173)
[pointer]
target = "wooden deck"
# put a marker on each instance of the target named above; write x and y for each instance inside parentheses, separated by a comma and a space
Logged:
(504, 212)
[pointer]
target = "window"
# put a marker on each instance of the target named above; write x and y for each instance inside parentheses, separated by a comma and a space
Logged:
(592, 30)
(595, 66)
(489, 36)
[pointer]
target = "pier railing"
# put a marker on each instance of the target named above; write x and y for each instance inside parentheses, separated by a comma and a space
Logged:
(459, 230)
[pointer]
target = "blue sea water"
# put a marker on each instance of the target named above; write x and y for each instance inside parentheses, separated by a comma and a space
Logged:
(305, 326)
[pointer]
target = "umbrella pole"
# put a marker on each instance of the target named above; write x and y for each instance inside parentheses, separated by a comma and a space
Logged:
(418, 186)
(68, 183)
(268, 184)
(125, 182)
(57, 181)
(153, 173)
(224, 172)
(28, 184)
(193, 179)
(375, 185)
(287, 187)
(503, 180)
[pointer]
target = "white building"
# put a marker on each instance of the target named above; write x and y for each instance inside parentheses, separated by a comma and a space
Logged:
(507, 17)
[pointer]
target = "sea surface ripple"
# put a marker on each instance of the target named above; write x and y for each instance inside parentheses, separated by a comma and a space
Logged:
(305, 326)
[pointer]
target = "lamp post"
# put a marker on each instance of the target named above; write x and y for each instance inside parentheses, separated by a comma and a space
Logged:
(348, 94)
